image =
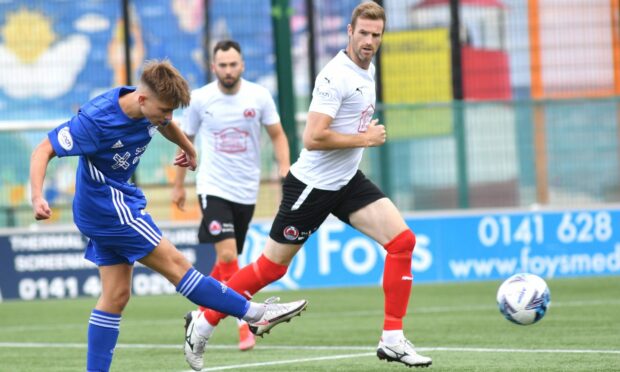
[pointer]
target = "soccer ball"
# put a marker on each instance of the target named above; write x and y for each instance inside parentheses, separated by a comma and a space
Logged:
(523, 298)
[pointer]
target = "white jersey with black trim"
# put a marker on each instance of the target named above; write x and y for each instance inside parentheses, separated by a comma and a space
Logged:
(229, 128)
(346, 92)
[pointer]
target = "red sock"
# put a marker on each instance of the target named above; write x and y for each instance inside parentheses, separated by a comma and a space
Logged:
(397, 279)
(215, 272)
(227, 269)
(249, 280)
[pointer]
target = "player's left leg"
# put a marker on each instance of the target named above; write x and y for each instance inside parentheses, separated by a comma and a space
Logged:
(382, 221)
(208, 292)
(226, 265)
(105, 319)
(242, 215)
(204, 291)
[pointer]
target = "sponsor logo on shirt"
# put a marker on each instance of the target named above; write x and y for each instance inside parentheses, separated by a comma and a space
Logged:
(120, 161)
(231, 140)
(64, 139)
(323, 91)
(215, 228)
(366, 118)
(152, 130)
(290, 233)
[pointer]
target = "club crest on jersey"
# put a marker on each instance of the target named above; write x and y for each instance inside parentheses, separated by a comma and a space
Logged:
(290, 233)
(64, 139)
(249, 113)
(215, 228)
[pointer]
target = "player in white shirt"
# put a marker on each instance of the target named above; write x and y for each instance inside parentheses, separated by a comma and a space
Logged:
(228, 115)
(326, 179)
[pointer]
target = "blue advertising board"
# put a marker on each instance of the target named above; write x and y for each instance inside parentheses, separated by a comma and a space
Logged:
(50, 265)
(450, 247)
(459, 247)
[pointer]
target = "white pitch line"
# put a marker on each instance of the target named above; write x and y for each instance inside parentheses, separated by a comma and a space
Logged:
(295, 347)
(177, 346)
(455, 349)
(499, 350)
(290, 361)
(319, 314)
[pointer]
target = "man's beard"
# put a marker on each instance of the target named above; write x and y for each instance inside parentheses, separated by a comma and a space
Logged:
(230, 84)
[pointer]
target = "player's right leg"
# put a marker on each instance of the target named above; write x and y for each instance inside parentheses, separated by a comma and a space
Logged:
(224, 224)
(104, 322)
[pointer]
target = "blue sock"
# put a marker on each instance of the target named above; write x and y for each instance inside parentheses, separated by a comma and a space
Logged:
(102, 336)
(208, 292)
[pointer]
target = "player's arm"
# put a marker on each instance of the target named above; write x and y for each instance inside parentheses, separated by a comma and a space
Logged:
(319, 136)
(174, 134)
(39, 160)
(178, 186)
(280, 147)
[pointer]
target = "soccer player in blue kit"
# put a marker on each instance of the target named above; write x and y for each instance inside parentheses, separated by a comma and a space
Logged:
(110, 133)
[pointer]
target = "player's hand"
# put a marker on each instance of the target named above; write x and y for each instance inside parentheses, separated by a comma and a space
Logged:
(178, 197)
(41, 209)
(283, 172)
(185, 160)
(376, 133)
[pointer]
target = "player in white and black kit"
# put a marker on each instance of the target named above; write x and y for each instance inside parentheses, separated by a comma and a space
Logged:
(228, 115)
(326, 179)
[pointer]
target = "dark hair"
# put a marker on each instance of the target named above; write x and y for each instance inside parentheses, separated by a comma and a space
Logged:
(166, 82)
(225, 45)
(368, 10)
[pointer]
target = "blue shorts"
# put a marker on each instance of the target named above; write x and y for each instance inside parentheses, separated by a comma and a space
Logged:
(122, 243)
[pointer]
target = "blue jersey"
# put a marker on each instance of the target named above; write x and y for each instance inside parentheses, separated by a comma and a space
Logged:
(109, 144)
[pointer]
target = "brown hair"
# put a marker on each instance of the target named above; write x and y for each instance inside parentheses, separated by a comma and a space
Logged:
(368, 10)
(166, 82)
(225, 45)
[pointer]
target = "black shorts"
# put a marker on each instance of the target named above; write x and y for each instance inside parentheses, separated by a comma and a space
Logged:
(303, 209)
(223, 219)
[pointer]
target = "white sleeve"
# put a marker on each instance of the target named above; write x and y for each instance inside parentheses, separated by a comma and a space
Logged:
(270, 113)
(191, 118)
(327, 95)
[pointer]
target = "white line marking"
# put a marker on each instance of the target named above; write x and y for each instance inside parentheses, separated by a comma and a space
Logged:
(367, 351)
(314, 313)
(499, 350)
(454, 349)
(290, 361)
(296, 347)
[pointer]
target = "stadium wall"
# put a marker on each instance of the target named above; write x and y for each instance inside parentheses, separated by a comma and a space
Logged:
(463, 246)
(540, 109)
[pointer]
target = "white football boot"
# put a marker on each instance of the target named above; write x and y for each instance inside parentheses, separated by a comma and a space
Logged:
(194, 347)
(276, 313)
(403, 352)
